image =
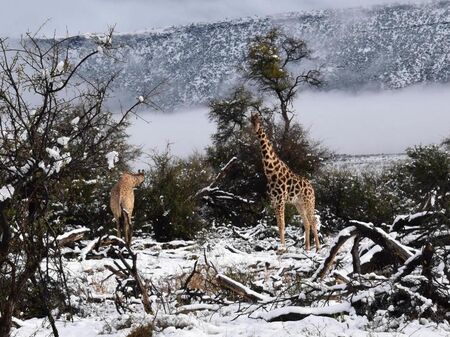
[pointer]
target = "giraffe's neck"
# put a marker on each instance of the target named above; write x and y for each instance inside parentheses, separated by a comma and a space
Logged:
(269, 157)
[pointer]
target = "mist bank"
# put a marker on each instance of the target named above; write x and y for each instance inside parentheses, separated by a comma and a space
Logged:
(368, 122)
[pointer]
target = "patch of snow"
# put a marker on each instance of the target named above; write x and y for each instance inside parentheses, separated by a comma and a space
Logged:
(113, 158)
(75, 231)
(63, 141)
(6, 192)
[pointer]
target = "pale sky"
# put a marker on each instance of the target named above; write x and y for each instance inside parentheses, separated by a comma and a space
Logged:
(81, 16)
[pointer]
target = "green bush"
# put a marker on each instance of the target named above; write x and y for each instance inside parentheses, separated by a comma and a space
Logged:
(421, 182)
(167, 200)
(424, 179)
(344, 195)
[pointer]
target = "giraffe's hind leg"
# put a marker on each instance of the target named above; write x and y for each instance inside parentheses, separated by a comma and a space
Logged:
(313, 222)
(306, 222)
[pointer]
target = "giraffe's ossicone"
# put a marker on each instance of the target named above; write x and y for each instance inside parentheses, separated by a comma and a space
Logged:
(284, 186)
(122, 203)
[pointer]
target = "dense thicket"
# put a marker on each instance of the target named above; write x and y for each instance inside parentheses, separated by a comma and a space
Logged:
(54, 134)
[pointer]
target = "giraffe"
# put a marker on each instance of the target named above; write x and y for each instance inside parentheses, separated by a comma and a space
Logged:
(284, 186)
(122, 203)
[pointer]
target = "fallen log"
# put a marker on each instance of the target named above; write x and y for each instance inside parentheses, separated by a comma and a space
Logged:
(292, 313)
(92, 248)
(361, 229)
(68, 238)
(185, 309)
(240, 289)
(342, 237)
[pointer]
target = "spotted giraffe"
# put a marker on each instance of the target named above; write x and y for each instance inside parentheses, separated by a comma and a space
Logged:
(284, 186)
(122, 203)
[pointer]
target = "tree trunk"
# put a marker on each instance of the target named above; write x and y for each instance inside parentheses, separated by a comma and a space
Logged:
(7, 309)
(5, 232)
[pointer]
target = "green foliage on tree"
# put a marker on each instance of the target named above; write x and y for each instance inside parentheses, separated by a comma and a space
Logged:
(167, 200)
(273, 64)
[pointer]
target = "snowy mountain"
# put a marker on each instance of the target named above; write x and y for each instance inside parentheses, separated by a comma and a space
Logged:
(383, 47)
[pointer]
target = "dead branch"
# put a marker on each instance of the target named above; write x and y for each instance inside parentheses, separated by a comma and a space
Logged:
(355, 255)
(223, 171)
(343, 236)
(72, 237)
(240, 289)
(401, 252)
(292, 313)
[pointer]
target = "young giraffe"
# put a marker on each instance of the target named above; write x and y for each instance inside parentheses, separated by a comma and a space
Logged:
(284, 186)
(122, 203)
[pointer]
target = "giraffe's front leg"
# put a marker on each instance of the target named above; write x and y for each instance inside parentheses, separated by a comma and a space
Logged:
(279, 210)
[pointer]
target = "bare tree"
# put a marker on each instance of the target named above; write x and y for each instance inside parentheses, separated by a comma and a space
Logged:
(52, 125)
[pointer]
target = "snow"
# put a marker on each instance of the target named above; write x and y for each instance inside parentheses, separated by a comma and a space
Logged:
(75, 121)
(113, 158)
(60, 66)
(63, 141)
(60, 159)
(6, 192)
(325, 310)
(75, 231)
(168, 264)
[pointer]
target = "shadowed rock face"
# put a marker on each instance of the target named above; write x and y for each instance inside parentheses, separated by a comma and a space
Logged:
(380, 47)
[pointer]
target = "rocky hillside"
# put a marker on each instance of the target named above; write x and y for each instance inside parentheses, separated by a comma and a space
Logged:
(380, 47)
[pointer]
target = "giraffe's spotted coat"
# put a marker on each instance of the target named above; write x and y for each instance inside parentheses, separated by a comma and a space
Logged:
(284, 186)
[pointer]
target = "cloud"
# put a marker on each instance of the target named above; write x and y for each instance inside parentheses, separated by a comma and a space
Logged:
(132, 15)
(363, 123)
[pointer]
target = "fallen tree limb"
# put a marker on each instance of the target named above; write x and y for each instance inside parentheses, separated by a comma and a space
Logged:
(68, 238)
(291, 313)
(343, 236)
(184, 309)
(383, 239)
(240, 289)
(361, 229)
(88, 252)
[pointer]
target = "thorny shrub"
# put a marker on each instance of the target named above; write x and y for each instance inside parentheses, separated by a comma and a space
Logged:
(167, 200)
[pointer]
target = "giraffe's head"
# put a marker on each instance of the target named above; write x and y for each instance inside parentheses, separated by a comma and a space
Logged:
(134, 179)
(255, 120)
(139, 177)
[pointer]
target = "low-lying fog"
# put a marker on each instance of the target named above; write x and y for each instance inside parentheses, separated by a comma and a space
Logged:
(362, 123)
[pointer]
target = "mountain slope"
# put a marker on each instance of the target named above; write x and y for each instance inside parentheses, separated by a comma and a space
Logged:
(381, 47)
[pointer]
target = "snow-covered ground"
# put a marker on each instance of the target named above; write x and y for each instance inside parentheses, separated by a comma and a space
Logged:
(232, 253)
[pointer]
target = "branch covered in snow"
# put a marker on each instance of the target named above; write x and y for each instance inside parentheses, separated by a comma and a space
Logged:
(241, 289)
(291, 313)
